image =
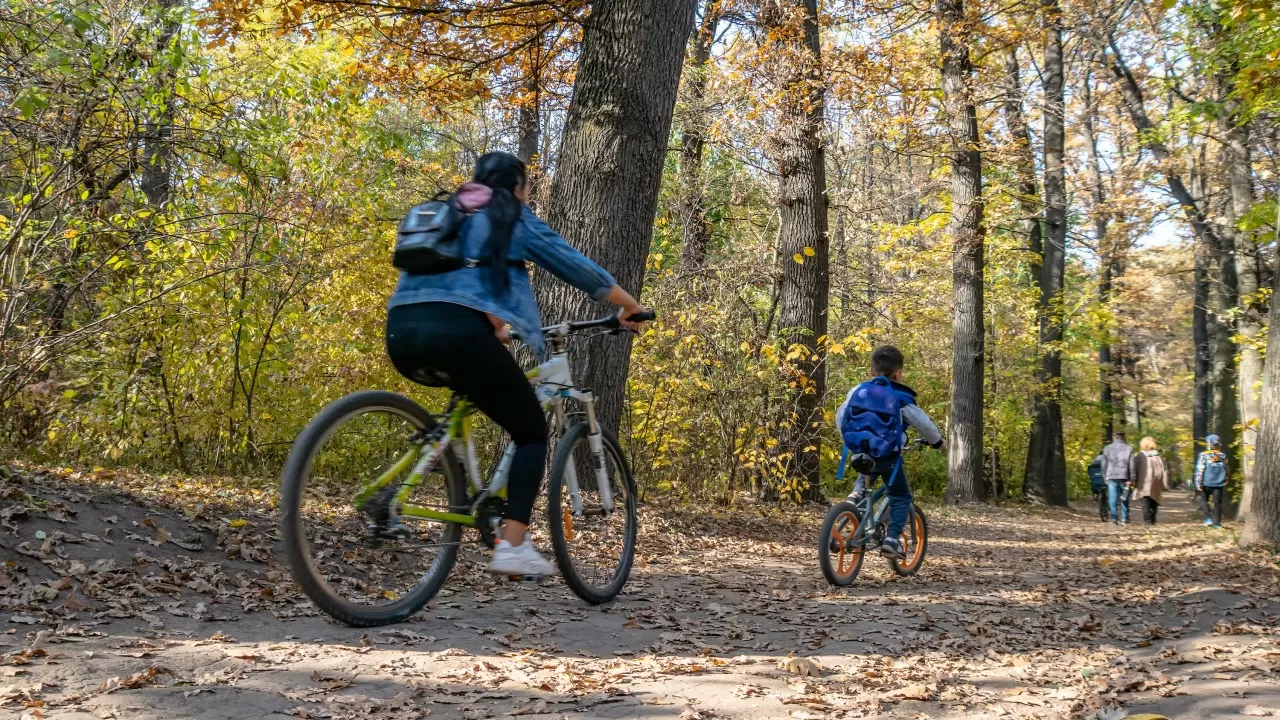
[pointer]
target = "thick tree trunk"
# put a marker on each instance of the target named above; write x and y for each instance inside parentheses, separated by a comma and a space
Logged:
(1236, 158)
(1046, 475)
(697, 234)
(802, 231)
(1262, 526)
(965, 455)
(1203, 399)
(1106, 258)
(605, 190)
(1024, 161)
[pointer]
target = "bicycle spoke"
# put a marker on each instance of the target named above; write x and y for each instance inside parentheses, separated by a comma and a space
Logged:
(360, 565)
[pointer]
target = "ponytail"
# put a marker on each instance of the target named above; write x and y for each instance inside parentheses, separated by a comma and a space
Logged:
(503, 173)
(504, 211)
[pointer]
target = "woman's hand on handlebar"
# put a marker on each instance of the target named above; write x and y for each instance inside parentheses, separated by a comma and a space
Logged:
(630, 307)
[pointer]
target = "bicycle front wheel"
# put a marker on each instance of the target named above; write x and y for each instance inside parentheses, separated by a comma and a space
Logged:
(915, 543)
(353, 560)
(840, 550)
(594, 544)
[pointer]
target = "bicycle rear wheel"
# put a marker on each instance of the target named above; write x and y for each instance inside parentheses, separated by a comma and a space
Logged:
(358, 576)
(594, 548)
(915, 543)
(840, 553)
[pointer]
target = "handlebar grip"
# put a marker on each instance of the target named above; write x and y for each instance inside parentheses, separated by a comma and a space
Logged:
(646, 316)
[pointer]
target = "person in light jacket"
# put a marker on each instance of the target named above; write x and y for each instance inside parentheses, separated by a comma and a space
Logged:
(1149, 478)
(1116, 467)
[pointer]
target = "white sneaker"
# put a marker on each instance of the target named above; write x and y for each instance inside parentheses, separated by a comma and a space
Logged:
(521, 560)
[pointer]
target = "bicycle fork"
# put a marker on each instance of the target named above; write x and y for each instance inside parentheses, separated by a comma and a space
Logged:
(595, 442)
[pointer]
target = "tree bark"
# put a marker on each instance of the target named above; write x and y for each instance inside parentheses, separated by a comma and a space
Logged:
(1024, 161)
(605, 190)
(1226, 408)
(157, 138)
(798, 149)
(1202, 403)
(1149, 136)
(1234, 130)
(1262, 525)
(697, 234)
(1046, 474)
(965, 454)
(1106, 257)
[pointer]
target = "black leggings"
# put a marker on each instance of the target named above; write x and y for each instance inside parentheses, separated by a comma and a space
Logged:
(1149, 509)
(457, 344)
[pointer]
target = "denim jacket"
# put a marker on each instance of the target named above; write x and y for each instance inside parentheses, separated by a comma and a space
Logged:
(532, 241)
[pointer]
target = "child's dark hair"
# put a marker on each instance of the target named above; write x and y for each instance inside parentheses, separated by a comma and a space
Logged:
(886, 360)
(502, 172)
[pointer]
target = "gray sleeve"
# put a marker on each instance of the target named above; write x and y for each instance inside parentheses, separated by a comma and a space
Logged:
(916, 418)
(840, 410)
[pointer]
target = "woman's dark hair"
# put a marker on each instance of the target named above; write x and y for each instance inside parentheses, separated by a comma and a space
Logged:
(502, 172)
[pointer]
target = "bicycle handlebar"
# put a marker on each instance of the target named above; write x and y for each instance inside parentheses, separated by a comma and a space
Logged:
(608, 322)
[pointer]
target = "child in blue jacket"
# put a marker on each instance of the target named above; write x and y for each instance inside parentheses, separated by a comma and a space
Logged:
(887, 362)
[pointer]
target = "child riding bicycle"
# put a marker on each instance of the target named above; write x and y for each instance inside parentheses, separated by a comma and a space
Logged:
(872, 420)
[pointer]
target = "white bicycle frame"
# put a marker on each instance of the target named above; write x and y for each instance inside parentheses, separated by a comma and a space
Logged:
(553, 384)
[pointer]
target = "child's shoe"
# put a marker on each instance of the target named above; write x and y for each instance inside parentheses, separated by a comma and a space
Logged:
(1207, 522)
(892, 548)
(1217, 527)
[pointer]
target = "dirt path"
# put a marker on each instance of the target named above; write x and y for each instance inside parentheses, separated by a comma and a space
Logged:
(122, 598)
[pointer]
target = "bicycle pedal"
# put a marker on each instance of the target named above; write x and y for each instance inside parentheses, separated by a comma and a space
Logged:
(526, 578)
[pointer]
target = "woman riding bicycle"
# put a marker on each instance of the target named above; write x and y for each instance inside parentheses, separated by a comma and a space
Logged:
(448, 329)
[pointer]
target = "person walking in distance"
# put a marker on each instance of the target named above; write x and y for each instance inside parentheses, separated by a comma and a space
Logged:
(1211, 480)
(1098, 485)
(1117, 464)
(1149, 478)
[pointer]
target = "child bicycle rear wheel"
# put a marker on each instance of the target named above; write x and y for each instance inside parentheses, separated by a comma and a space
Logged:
(841, 548)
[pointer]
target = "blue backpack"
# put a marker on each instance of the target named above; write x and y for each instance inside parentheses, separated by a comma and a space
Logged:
(872, 421)
(1215, 469)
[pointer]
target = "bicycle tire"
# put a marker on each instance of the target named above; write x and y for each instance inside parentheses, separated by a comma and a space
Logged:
(555, 516)
(919, 526)
(292, 524)
(836, 574)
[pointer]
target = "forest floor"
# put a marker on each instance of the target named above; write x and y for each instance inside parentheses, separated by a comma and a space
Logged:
(131, 597)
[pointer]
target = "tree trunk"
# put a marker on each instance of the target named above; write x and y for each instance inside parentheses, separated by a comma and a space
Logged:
(1202, 404)
(1262, 526)
(1150, 136)
(965, 455)
(1236, 157)
(1226, 409)
(1046, 475)
(605, 191)
(1024, 160)
(697, 234)
(157, 138)
(802, 230)
(1106, 258)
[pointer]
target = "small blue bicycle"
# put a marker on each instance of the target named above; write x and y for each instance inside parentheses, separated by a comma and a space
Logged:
(852, 528)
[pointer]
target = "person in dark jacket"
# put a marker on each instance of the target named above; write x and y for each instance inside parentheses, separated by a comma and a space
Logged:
(1098, 486)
